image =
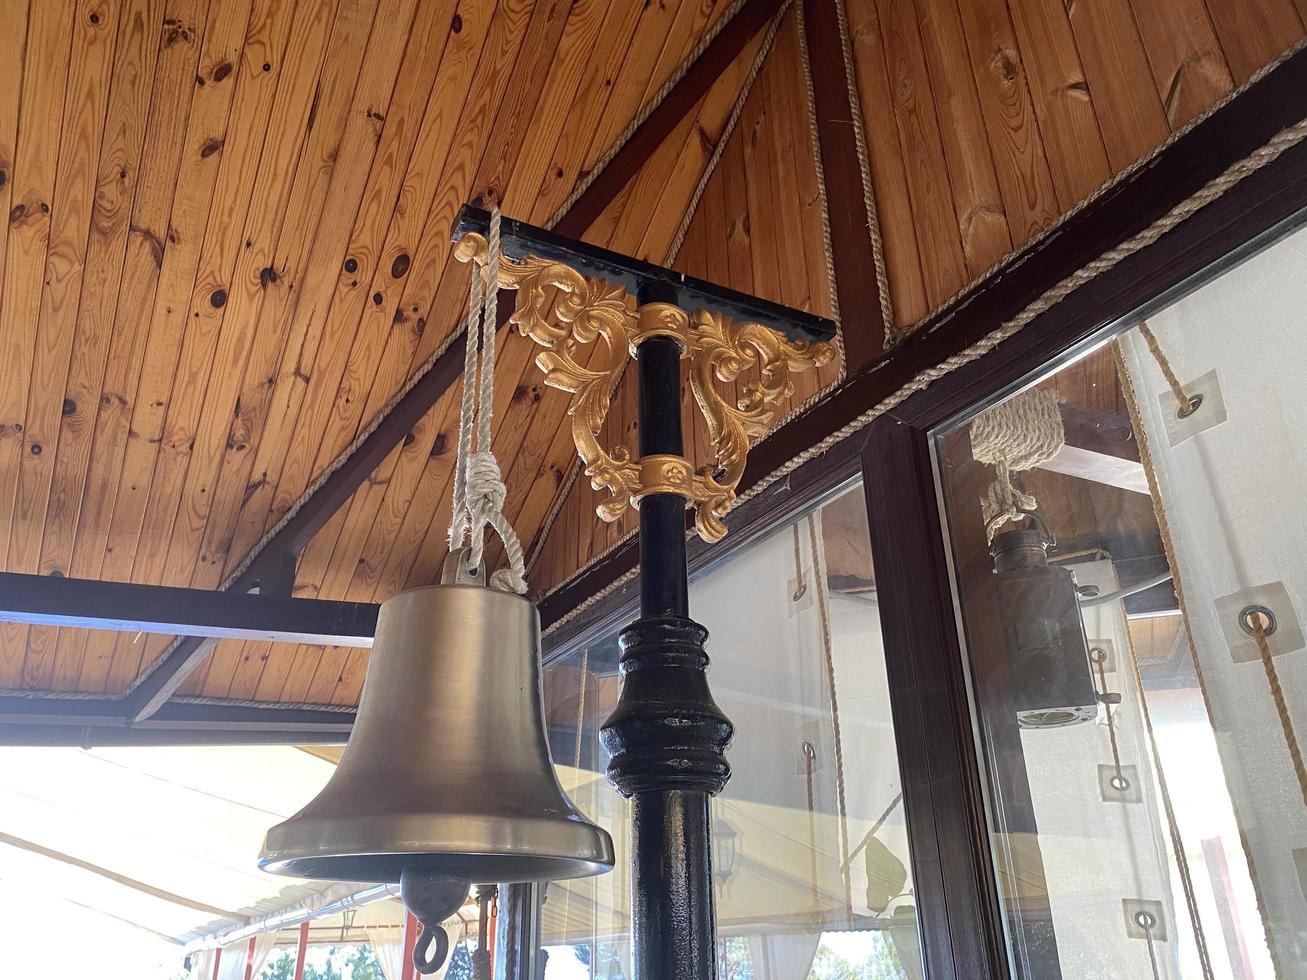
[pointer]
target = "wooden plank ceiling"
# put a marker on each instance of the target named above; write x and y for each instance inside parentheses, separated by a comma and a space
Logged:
(758, 228)
(985, 121)
(227, 249)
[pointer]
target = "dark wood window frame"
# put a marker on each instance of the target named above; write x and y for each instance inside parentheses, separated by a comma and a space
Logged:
(961, 922)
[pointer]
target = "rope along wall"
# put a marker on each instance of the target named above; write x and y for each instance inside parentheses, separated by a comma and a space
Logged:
(1211, 191)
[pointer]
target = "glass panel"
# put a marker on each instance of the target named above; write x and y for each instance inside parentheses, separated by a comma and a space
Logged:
(1128, 548)
(810, 849)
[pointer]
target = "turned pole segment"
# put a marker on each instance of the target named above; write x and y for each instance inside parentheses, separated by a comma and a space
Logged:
(667, 738)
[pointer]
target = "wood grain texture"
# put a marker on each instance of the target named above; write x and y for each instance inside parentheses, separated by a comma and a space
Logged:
(226, 248)
(986, 121)
(757, 228)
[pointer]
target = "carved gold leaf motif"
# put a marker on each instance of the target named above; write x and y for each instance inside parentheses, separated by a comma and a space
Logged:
(563, 311)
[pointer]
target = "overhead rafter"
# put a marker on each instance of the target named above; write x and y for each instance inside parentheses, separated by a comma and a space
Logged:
(103, 721)
(129, 607)
(851, 222)
(161, 679)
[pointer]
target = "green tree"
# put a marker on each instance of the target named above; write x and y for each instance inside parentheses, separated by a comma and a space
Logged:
(460, 964)
(363, 964)
(279, 966)
(829, 965)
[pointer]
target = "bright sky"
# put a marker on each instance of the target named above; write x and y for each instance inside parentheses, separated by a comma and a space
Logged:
(38, 927)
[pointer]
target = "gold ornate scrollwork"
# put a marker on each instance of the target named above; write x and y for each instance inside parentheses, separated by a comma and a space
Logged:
(721, 351)
(561, 310)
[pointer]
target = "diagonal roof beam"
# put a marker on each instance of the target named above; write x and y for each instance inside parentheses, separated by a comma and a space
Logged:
(161, 679)
(852, 221)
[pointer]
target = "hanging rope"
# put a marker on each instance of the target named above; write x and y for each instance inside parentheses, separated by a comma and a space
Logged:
(1185, 402)
(1172, 824)
(1257, 624)
(1019, 434)
(479, 491)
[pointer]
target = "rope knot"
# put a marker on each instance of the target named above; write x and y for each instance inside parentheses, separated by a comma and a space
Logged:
(486, 493)
(479, 491)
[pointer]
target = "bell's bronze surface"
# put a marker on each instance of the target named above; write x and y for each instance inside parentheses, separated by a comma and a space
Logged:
(447, 771)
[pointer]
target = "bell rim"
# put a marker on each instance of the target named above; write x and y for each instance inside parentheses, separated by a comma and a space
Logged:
(575, 843)
(583, 868)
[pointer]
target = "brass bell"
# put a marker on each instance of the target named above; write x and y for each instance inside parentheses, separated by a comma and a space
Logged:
(447, 780)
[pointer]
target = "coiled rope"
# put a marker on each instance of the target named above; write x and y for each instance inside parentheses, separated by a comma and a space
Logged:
(1019, 434)
(479, 491)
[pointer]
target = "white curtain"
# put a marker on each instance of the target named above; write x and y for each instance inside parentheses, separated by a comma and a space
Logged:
(232, 964)
(202, 965)
(388, 945)
(264, 943)
(1231, 484)
(783, 957)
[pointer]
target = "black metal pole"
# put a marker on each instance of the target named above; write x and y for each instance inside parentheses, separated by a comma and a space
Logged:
(667, 738)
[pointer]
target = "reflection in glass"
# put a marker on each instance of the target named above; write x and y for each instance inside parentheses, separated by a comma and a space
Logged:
(810, 852)
(1128, 549)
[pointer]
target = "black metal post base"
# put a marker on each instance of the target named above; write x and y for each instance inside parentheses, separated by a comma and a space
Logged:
(666, 732)
(667, 741)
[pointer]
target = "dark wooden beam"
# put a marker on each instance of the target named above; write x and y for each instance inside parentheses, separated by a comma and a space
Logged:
(132, 608)
(850, 224)
(751, 18)
(162, 678)
(1228, 228)
(21, 717)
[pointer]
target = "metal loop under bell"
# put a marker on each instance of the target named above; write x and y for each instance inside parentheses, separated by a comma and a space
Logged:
(425, 958)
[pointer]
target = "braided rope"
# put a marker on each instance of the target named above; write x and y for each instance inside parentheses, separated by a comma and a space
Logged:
(1172, 824)
(819, 573)
(1184, 401)
(471, 328)
(864, 170)
(1211, 191)
(731, 121)
(1018, 434)
(814, 141)
(479, 490)
(1281, 706)
(1177, 582)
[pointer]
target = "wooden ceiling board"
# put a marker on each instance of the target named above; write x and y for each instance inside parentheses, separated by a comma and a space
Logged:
(1060, 97)
(244, 238)
(758, 227)
(406, 504)
(174, 184)
(86, 100)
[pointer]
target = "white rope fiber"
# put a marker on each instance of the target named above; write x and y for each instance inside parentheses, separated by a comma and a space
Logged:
(479, 491)
(1019, 434)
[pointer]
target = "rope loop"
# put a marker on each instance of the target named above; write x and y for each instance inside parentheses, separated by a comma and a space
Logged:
(479, 490)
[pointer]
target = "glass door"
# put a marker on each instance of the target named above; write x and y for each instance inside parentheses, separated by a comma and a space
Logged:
(1127, 543)
(811, 861)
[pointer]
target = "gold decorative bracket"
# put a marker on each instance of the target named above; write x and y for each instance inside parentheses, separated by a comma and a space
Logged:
(564, 311)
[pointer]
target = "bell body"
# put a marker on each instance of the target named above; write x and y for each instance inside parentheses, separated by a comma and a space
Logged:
(1050, 674)
(447, 770)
